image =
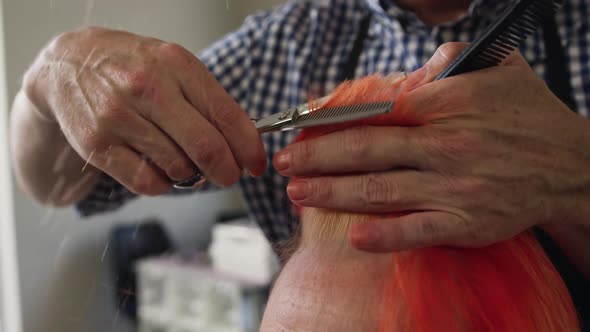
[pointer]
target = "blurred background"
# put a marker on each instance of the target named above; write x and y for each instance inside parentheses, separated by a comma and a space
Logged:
(57, 268)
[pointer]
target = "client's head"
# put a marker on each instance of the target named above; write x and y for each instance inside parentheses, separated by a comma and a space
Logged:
(327, 285)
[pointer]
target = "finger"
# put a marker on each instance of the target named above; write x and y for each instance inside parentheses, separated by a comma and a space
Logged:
(359, 149)
(164, 105)
(233, 123)
(377, 192)
(132, 171)
(412, 231)
(151, 142)
(201, 142)
(203, 91)
(442, 58)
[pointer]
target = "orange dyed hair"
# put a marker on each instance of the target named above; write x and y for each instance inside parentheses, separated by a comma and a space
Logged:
(507, 286)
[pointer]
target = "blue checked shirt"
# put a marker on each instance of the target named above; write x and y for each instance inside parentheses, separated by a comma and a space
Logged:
(278, 58)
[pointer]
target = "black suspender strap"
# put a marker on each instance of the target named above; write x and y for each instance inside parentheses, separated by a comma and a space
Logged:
(349, 68)
(558, 75)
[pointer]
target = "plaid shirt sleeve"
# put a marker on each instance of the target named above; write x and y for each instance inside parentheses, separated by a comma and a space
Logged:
(226, 59)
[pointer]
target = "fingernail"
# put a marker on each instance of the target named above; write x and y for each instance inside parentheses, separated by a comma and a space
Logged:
(298, 190)
(282, 162)
(415, 78)
(364, 235)
(256, 170)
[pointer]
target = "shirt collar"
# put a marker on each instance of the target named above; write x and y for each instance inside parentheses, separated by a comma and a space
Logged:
(389, 9)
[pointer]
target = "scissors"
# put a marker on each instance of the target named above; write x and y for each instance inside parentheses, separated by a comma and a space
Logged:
(303, 116)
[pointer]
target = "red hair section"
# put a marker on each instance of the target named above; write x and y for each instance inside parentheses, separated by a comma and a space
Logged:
(374, 88)
(507, 286)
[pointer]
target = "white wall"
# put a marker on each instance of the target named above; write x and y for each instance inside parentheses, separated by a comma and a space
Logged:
(64, 283)
(10, 317)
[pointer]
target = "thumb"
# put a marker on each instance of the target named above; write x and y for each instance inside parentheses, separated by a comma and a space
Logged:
(444, 56)
(515, 59)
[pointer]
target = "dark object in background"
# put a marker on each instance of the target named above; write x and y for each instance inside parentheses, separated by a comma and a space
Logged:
(230, 216)
(130, 243)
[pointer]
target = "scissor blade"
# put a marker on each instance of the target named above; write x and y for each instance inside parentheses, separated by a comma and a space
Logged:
(339, 114)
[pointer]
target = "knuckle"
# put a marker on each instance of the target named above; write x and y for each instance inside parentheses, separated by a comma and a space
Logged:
(223, 113)
(110, 113)
(90, 140)
(139, 83)
(175, 54)
(321, 190)
(88, 143)
(178, 167)
(357, 140)
(208, 151)
(378, 192)
(452, 145)
(304, 155)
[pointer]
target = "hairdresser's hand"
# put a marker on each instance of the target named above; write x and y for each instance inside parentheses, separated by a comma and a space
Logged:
(496, 153)
(144, 111)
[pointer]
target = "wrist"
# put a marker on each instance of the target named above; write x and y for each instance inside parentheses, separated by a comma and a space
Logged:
(579, 210)
(568, 179)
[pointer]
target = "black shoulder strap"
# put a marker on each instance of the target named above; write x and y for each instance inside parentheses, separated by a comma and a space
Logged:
(558, 75)
(349, 68)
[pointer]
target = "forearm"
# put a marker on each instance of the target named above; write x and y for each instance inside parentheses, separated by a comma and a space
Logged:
(574, 241)
(572, 234)
(45, 165)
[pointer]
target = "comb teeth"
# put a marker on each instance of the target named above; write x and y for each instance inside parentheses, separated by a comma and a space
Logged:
(518, 21)
(326, 115)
